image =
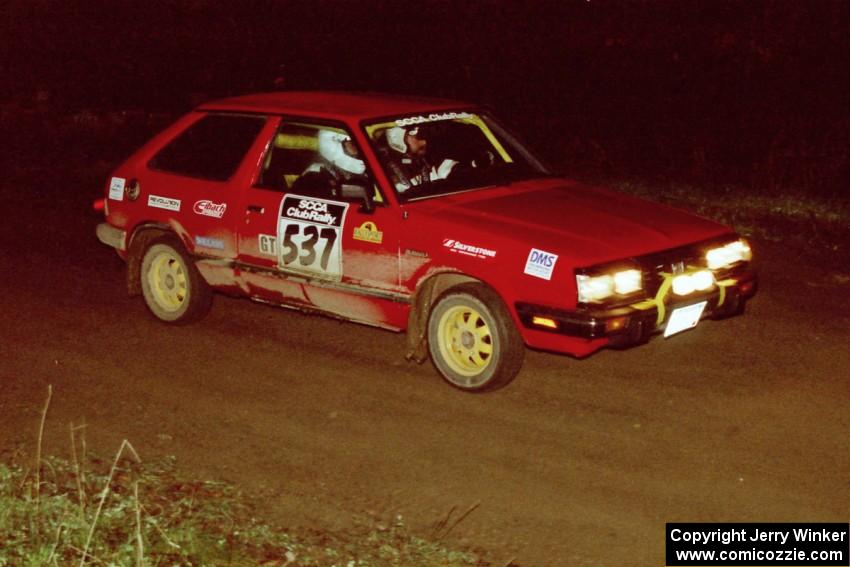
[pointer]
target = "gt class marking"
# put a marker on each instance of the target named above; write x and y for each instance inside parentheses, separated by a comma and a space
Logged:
(540, 264)
(368, 232)
(267, 244)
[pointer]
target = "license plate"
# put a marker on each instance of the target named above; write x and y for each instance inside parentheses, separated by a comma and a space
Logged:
(684, 318)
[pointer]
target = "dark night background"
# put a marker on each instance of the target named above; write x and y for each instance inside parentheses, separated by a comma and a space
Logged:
(748, 93)
(735, 110)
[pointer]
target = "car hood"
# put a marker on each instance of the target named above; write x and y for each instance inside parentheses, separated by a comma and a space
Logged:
(590, 224)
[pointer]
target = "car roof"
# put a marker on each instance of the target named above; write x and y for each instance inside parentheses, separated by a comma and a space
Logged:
(329, 104)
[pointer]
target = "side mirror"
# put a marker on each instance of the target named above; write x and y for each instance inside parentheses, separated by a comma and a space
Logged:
(359, 192)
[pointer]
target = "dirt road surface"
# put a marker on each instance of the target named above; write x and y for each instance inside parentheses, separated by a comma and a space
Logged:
(578, 462)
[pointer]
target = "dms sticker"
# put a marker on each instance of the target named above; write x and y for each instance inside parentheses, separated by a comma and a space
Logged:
(207, 242)
(309, 236)
(467, 249)
(540, 264)
(207, 208)
(368, 232)
(158, 202)
(116, 188)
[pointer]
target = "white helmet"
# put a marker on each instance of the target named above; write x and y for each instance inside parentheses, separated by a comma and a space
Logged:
(395, 138)
(331, 148)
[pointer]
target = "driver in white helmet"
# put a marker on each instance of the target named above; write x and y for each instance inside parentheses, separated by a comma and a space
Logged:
(406, 161)
(338, 161)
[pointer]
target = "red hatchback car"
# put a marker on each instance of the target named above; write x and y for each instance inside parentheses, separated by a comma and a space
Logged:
(417, 215)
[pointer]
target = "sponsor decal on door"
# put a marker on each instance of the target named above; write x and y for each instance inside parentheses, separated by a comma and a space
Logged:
(207, 208)
(309, 236)
(166, 203)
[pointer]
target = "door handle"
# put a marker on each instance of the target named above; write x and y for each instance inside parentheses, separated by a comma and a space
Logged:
(256, 209)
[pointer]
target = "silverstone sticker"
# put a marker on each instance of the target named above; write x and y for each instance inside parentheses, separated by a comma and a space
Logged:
(158, 202)
(207, 242)
(207, 208)
(459, 247)
(116, 188)
(267, 244)
(309, 234)
(540, 264)
(368, 232)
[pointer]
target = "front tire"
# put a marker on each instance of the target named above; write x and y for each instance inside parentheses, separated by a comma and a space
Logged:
(472, 339)
(173, 289)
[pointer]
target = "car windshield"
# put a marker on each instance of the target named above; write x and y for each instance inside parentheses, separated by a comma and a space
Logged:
(427, 155)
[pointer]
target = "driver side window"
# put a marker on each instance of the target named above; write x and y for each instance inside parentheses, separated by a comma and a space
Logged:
(292, 150)
(315, 160)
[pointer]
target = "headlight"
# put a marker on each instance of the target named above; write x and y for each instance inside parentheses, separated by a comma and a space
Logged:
(723, 256)
(593, 289)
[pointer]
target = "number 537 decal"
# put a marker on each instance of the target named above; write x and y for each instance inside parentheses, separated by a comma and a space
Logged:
(308, 236)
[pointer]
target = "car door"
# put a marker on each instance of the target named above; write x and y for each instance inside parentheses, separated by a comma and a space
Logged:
(193, 182)
(305, 245)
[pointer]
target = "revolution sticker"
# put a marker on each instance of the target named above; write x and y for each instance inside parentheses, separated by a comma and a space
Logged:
(540, 264)
(308, 236)
(166, 203)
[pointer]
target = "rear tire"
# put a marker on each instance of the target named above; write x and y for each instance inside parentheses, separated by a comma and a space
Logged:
(472, 339)
(172, 287)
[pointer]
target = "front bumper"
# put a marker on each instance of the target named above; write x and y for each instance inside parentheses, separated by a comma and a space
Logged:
(633, 324)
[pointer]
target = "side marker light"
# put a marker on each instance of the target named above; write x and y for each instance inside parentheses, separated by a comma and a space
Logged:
(544, 322)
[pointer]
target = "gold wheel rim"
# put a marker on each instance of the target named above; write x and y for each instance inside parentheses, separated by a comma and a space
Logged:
(466, 341)
(168, 282)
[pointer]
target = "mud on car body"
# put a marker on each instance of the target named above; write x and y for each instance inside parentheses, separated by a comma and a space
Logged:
(425, 216)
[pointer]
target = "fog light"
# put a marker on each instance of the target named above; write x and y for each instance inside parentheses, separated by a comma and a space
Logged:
(616, 324)
(683, 284)
(703, 280)
(544, 322)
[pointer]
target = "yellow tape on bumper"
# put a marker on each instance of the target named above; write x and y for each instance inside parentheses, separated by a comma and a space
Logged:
(663, 290)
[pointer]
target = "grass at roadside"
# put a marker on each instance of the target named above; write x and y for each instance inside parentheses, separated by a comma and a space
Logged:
(145, 514)
(819, 222)
(86, 512)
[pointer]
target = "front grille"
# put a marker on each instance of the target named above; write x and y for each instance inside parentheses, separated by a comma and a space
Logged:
(668, 261)
(673, 260)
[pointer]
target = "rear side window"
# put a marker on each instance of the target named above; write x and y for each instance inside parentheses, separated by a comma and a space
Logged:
(211, 148)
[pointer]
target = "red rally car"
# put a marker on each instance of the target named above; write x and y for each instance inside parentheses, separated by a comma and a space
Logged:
(417, 215)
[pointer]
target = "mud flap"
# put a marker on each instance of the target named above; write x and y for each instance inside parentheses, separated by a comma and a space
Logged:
(136, 250)
(417, 323)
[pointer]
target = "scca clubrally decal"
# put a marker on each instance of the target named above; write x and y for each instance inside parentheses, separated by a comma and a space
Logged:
(309, 235)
